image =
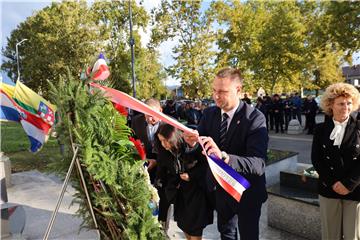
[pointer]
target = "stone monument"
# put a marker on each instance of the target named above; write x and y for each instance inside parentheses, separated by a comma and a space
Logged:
(294, 127)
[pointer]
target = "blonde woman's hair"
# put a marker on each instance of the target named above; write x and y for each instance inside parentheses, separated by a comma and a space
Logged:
(339, 90)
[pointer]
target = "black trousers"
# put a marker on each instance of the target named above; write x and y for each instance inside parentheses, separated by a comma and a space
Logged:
(287, 116)
(279, 119)
(245, 219)
(310, 122)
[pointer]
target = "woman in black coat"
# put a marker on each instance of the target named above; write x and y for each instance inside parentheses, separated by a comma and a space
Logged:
(336, 157)
(183, 173)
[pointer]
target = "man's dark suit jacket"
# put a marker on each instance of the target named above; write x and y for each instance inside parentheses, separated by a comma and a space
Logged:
(139, 125)
(246, 144)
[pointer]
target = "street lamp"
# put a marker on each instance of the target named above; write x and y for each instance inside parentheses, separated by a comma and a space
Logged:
(132, 43)
(17, 57)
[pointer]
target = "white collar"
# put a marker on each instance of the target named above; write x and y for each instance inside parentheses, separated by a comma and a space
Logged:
(231, 112)
(338, 132)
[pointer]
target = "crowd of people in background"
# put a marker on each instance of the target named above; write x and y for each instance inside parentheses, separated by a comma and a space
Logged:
(279, 111)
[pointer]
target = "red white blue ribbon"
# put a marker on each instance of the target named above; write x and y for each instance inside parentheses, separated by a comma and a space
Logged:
(230, 180)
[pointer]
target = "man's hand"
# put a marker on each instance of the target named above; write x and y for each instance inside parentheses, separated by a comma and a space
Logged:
(185, 177)
(191, 138)
(211, 147)
(339, 188)
(152, 164)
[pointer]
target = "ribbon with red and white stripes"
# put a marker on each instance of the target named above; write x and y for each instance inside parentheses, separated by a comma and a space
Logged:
(230, 180)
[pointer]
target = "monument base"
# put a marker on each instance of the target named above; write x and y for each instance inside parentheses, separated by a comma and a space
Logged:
(294, 127)
(293, 205)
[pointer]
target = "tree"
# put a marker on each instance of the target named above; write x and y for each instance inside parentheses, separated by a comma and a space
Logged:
(263, 39)
(152, 75)
(281, 55)
(72, 34)
(238, 38)
(343, 25)
(283, 46)
(326, 70)
(193, 54)
(58, 36)
(113, 16)
(324, 56)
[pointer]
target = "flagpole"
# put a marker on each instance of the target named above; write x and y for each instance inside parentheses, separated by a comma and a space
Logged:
(17, 57)
(132, 43)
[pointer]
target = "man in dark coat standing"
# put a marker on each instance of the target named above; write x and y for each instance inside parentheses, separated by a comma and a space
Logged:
(145, 128)
(242, 146)
(310, 108)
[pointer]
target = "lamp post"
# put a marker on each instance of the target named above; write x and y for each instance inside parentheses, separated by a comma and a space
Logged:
(132, 43)
(17, 57)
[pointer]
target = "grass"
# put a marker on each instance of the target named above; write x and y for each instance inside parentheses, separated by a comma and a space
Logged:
(276, 155)
(15, 144)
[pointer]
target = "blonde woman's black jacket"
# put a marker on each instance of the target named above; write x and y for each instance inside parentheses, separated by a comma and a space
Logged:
(338, 164)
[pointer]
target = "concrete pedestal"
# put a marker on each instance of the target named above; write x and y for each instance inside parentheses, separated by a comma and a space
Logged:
(272, 171)
(294, 127)
(5, 169)
(4, 179)
(298, 217)
(293, 204)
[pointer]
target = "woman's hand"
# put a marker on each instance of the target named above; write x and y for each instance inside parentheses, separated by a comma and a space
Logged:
(339, 188)
(191, 138)
(152, 164)
(185, 177)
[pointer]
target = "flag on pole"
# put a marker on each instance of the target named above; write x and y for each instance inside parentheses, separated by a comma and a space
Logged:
(35, 114)
(8, 111)
(100, 70)
(7, 88)
(34, 103)
(35, 127)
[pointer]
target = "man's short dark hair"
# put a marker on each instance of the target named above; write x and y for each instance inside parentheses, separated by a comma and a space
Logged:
(153, 102)
(232, 73)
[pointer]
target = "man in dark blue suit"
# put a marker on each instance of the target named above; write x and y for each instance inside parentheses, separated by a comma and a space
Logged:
(235, 132)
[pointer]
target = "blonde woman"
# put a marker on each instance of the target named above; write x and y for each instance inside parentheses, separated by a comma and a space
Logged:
(336, 157)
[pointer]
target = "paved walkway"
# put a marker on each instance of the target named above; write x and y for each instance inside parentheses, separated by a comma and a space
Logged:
(38, 194)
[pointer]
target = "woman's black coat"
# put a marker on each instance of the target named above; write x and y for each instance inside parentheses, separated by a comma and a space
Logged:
(192, 210)
(338, 164)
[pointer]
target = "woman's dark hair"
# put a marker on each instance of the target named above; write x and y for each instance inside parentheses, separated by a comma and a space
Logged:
(172, 135)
